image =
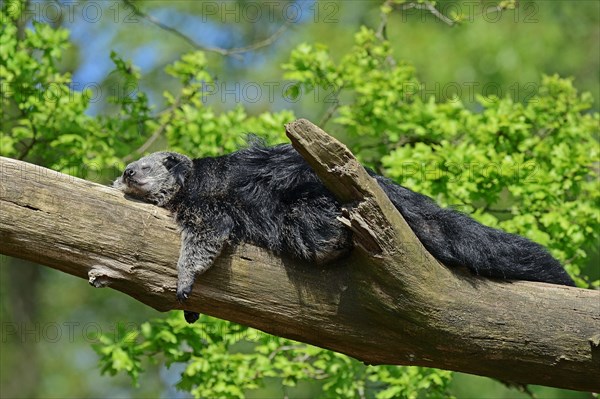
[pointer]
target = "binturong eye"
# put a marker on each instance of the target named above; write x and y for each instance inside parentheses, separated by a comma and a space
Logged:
(170, 162)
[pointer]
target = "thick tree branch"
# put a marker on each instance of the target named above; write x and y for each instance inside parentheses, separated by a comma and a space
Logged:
(390, 302)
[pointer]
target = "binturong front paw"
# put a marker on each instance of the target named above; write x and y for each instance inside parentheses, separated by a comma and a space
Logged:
(185, 282)
(183, 292)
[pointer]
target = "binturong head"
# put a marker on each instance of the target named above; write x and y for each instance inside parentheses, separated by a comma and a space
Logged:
(155, 178)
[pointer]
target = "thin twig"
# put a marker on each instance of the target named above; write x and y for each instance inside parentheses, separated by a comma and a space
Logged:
(331, 110)
(438, 14)
(498, 210)
(262, 43)
(29, 146)
(233, 52)
(329, 113)
(429, 7)
(157, 132)
(284, 348)
(381, 33)
(36, 137)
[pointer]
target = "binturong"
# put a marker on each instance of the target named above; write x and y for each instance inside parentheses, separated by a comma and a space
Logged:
(270, 197)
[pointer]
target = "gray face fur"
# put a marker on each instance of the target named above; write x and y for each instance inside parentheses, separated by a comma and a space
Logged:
(155, 178)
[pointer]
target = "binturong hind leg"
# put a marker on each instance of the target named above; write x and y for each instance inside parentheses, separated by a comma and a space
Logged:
(314, 232)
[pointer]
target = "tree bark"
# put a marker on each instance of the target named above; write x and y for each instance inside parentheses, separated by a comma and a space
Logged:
(390, 302)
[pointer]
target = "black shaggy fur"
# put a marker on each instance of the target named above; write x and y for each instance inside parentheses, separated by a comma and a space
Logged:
(269, 196)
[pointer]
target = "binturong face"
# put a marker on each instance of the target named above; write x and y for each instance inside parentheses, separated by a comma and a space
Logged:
(155, 178)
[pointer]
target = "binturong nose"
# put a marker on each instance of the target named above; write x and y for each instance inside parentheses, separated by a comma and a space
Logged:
(129, 172)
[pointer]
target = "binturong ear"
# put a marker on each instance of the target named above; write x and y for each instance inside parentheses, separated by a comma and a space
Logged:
(178, 167)
(180, 172)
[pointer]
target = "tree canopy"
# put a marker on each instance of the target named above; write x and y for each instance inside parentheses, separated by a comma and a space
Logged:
(526, 165)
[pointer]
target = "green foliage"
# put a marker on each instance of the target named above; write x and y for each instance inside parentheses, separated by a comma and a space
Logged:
(225, 360)
(194, 128)
(48, 125)
(44, 118)
(527, 168)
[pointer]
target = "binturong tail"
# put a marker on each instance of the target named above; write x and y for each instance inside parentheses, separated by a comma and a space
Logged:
(457, 240)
